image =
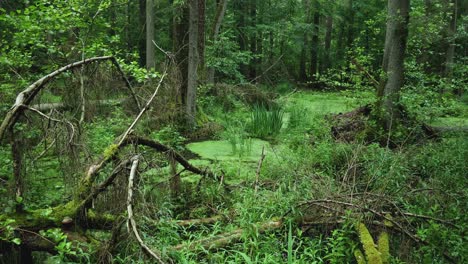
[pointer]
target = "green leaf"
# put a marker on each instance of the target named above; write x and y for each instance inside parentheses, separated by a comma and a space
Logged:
(17, 241)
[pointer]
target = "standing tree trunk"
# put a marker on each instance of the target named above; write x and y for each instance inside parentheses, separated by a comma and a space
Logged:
(150, 59)
(393, 62)
(452, 29)
(302, 60)
(192, 76)
(201, 39)
(141, 33)
(350, 12)
(220, 11)
(326, 63)
(180, 23)
(253, 39)
(315, 42)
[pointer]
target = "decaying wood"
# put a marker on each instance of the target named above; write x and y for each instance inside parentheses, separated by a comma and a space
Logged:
(201, 221)
(26, 96)
(131, 224)
(94, 169)
(225, 239)
(61, 106)
(133, 139)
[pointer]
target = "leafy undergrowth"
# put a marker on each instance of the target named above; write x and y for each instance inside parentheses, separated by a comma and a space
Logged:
(305, 174)
(304, 163)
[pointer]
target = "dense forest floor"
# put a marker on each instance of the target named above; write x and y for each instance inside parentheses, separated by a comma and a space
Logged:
(286, 189)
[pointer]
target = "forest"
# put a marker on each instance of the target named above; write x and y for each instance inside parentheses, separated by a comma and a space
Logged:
(233, 131)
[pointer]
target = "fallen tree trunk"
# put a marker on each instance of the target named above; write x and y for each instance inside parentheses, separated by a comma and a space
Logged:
(225, 239)
(62, 106)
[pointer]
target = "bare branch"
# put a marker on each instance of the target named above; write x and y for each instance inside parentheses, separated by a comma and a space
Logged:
(131, 224)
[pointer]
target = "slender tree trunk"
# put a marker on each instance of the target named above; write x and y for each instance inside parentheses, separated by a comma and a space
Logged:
(192, 76)
(393, 63)
(326, 63)
(305, 42)
(150, 56)
(315, 42)
(201, 39)
(452, 29)
(253, 39)
(180, 46)
(241, 9)
(350, 32)
(220, 11)
(141, 33)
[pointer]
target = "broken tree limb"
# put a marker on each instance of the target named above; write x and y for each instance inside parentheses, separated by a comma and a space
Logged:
(94, 169)
(131, 224)
(132, 139)
(225, 239)
(26, 96)
(60, 106)
(200, 221)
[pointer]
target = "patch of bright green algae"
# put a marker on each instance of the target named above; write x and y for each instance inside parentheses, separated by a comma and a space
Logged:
(325, 103)
(222, 150)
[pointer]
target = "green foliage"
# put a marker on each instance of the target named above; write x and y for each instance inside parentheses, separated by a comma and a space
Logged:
(7, 231)
(63, 246)
(340, 245)
(226, 58)
(169, 135)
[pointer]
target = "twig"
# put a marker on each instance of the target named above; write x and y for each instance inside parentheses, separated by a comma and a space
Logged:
(131, 224)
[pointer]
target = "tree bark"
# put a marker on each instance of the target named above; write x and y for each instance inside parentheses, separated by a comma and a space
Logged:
(150, 56)
(253, 39)
(141, 33)
(315, 42)
(451, 30)
(393, 63)
(326, 63)
(192, 75)
(305, 46)
(220, 11)
(201, 38)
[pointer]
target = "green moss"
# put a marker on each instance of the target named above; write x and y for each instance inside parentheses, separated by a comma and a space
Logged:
(384, 247)
(359, 257)
(100, 219)
(110, 150)
(373, 256)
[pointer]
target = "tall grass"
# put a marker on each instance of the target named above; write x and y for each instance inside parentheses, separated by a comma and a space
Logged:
(266, 122)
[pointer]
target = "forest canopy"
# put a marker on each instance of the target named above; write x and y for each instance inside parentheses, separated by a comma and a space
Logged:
(194, 131)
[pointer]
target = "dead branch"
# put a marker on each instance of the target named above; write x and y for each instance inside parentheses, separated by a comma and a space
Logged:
(201, 221)
(132, 139)
(96, 167)
(131, 224)
(26, 96)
